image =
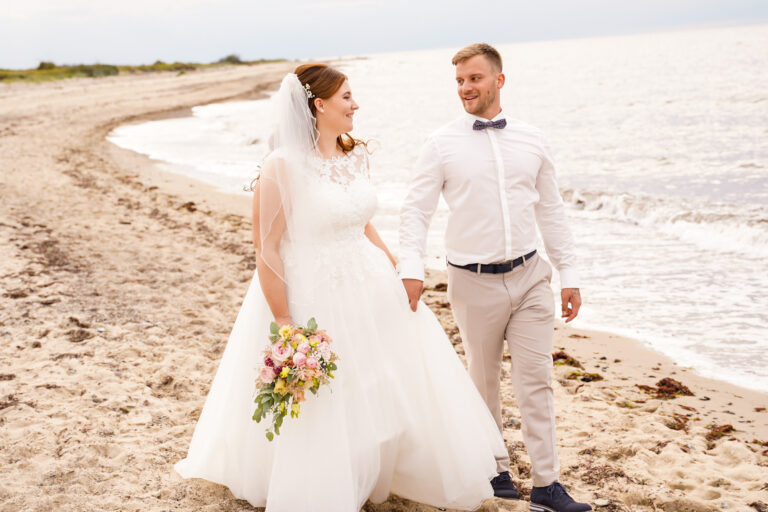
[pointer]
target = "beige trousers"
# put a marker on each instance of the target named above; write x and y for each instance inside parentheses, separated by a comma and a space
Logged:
(517, 306)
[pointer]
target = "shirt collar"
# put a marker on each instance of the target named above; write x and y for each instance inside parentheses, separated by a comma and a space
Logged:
(474, 118)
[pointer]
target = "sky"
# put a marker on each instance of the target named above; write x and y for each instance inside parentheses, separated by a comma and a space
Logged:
(143, 31)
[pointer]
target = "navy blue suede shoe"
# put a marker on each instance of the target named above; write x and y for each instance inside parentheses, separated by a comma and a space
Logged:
(503, 487)
(553, 498)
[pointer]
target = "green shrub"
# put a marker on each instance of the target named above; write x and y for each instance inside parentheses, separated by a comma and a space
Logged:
(47, 71)
(231, 59)
(94, 70)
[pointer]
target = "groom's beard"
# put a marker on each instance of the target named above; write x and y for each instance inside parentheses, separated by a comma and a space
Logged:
(481, 104)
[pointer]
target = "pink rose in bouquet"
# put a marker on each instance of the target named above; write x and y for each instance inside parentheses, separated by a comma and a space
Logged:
(299, 359)
(267, 374)
(281, 352)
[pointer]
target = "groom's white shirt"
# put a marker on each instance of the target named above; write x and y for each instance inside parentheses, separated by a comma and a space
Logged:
(499, 184)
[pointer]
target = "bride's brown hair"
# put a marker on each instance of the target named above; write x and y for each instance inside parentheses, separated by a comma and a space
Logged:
(323, 82)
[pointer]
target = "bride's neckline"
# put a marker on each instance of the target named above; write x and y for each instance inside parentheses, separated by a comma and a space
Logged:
(319, 156)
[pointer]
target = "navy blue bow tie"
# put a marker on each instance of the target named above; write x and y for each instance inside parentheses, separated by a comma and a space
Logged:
(480, 125)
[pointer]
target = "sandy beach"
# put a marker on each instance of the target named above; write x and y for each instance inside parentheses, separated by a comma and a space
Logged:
(119, 284)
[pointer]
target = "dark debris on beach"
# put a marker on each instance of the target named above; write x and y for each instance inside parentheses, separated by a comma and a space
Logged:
(667, 388)
(562, 358)
(718, 431)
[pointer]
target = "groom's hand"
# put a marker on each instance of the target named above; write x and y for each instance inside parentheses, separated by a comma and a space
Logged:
(571, 300)
(413, 287)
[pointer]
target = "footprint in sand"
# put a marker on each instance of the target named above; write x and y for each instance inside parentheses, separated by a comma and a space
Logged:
(708, 494)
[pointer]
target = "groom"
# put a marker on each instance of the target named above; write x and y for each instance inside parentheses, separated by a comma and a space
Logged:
(498, 179)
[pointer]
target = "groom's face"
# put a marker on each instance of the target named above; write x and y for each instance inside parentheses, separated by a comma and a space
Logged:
(478, 84)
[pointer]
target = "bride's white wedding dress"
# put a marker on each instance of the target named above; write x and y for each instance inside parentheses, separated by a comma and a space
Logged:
(402, 415)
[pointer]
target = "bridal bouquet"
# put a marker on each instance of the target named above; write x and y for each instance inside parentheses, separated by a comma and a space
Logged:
(298, 359)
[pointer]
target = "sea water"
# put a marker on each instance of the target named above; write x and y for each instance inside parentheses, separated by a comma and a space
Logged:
(661, 153)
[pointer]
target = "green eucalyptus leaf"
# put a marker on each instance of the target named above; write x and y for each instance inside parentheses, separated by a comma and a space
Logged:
(312, 324)
(270, 436)
(274, 328)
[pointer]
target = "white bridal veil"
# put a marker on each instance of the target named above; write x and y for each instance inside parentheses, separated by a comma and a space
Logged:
(280, 186)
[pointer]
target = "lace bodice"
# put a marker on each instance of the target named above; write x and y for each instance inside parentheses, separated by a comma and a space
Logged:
(338, 200)
(343, 170)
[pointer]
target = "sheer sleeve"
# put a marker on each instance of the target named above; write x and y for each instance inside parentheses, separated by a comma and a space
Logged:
(274, 208)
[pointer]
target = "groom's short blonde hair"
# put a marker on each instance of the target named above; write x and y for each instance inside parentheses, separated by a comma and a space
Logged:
(470, 51)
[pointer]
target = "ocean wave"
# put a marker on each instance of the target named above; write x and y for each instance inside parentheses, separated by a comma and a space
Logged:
(723, 228)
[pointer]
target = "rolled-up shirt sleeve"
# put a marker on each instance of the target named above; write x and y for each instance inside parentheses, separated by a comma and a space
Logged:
(553, 223)
(418, 208)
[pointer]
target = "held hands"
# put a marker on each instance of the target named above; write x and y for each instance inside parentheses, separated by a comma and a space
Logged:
(571, 302)
(413, 287)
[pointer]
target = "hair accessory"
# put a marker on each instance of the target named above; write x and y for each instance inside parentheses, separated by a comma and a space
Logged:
(310, 95)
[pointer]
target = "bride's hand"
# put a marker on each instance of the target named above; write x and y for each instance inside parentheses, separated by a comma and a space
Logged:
(283, 320)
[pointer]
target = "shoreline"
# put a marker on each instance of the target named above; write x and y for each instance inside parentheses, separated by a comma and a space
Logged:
(118, 296)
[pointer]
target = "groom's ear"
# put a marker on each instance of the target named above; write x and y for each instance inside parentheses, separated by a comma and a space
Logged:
(500, 80)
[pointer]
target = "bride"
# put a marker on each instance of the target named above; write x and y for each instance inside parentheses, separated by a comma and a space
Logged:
(402, 416)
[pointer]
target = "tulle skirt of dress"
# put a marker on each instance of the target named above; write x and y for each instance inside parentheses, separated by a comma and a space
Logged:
(402, 415)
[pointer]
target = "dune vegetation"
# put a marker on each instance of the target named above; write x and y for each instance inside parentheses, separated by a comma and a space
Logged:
(47, 71)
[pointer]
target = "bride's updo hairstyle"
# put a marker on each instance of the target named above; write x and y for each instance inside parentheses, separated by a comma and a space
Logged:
(324, 81)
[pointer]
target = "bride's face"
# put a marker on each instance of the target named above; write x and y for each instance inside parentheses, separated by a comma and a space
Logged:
(335, 113)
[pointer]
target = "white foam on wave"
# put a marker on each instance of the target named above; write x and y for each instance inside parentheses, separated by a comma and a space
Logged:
(740, 229)
(722, 237)
(220, 144)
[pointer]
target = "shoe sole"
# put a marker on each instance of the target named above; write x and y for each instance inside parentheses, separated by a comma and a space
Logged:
(535, 507)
